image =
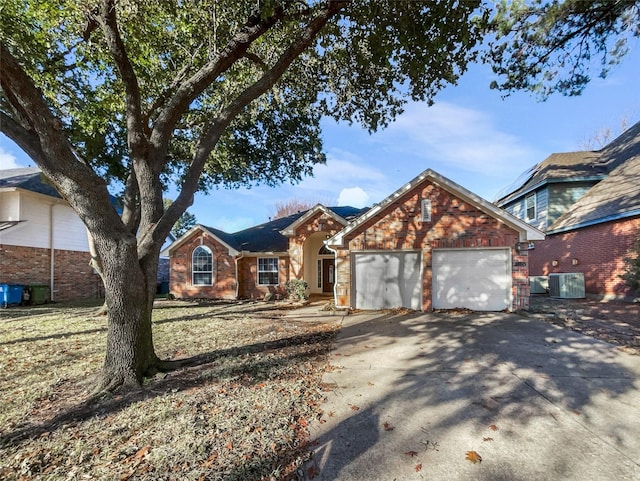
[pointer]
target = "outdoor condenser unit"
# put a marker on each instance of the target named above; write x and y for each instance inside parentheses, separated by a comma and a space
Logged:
(539, 284)
(567, 285)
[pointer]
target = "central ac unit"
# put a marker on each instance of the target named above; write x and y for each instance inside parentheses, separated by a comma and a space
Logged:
(539, 284)
(568, 285)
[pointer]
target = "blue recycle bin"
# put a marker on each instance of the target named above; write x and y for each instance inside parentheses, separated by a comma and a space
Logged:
(10, 294)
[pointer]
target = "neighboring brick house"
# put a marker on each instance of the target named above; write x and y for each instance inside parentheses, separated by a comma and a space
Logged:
(431, 244)
(588, 203)
(42, 241)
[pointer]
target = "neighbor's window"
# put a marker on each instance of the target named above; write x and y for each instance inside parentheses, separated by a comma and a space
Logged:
(267, 271)
(425, 208)
(530, 207)
(202, 266)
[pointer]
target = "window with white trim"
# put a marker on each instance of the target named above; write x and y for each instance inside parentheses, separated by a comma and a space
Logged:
(202, 266)
(530, 207)
(267, 271)
(425, 210)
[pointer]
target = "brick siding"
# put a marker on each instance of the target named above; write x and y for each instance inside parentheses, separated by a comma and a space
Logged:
(249, 288)
(224, 280)
(454, 224)
(73, 277)
(599, 251)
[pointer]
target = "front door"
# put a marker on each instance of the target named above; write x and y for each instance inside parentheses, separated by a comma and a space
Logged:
(328, 274)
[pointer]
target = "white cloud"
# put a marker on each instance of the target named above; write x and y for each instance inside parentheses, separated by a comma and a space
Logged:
(7, 160)
(456, 136)
(354, 197)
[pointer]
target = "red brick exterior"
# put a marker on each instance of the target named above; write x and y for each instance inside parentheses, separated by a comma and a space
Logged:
(224, 270)
(249, 288)
(598, 250)
(320, 222)
(454, 224)
(73, 277)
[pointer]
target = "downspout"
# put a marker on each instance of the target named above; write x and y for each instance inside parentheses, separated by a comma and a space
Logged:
(236, 259)
(52, 268)
(335, 274)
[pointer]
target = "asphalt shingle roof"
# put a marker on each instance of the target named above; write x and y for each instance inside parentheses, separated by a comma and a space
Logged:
(618, 194)
(27, 178)
(267, 237)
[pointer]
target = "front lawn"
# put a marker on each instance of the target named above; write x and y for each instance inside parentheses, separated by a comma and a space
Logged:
(238, 410)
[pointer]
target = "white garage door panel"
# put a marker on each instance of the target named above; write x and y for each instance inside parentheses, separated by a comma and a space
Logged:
(392, 279)
(478, 279)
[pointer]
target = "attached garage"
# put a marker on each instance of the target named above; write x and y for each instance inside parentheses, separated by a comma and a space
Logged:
(477, 279)
(388, 279)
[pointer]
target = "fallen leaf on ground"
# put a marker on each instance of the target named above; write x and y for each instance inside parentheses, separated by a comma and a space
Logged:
(487, 439)
(142, 452)
(354, 407)
(411, 453)
(473, 457)
(418, 467)
(493, 427)
(388, 427)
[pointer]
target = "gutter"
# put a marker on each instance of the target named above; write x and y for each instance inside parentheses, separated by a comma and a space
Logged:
(542, 183)
(601, 220)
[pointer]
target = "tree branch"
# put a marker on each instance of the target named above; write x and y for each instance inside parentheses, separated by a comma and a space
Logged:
(262, 85)
(190, 89)
(108, 22)
(53, 153)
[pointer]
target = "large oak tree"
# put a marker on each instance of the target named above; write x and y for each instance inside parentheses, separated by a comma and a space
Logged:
(137, 95)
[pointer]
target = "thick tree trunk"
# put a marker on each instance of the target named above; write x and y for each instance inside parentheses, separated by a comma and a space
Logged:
(129, 292)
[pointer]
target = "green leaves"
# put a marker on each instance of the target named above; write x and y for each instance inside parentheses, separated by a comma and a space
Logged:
(555, 46)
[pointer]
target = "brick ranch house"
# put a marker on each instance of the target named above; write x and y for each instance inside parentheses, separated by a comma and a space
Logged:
(432, 244)
(588, 204)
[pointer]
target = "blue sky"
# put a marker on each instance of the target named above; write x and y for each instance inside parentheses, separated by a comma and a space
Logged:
(470, 135)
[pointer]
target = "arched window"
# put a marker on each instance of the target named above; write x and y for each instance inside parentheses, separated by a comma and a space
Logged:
(324, 251)
(202, 266)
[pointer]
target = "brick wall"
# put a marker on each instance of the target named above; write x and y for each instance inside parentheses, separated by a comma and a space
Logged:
(249, 288)
(454, 224)
(598, 250)
(73, 277)
(321, 222)
(224, 280)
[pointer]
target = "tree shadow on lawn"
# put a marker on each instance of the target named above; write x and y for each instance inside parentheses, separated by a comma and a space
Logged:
(452, 374)
(249, 364)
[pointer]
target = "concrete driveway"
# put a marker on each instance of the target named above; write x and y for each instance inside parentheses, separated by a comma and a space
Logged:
(413, 394)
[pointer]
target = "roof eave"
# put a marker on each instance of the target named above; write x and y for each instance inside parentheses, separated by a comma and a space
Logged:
(518, 194)
(526, 232)
(290, 230)
(174, 245)
(600, 220)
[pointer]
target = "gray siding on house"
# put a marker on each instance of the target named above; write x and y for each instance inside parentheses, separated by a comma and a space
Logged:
(563, 196)
(517, 208)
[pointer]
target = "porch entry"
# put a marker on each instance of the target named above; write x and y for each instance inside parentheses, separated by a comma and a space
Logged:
(328, 274)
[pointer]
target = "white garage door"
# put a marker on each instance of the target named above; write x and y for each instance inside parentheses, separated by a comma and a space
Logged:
(387, 280)
(478, 279)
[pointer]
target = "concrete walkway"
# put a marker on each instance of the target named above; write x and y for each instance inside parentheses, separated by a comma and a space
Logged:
(413, 394)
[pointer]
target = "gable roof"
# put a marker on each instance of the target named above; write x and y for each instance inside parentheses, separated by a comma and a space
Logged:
(27, 178)
(617, 196)
(577, 166)
(559, 167)
(342, 214)
(267, 237)
(527, 232)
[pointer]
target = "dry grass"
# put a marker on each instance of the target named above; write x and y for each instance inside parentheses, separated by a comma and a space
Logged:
(238, 410)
